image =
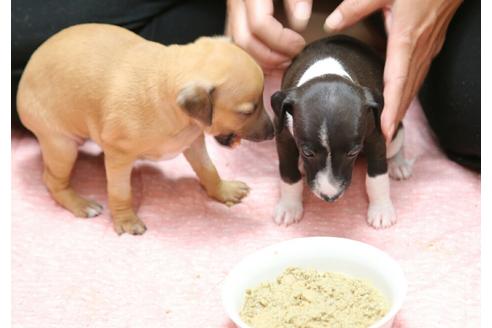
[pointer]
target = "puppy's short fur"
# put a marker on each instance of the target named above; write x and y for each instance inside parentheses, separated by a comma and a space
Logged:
(328, 111)
(138, 99)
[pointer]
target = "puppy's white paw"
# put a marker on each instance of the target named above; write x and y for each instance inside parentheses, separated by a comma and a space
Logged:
(288, 212)
(381, 215)
(83, 208)
(399, 168)
(94, 209)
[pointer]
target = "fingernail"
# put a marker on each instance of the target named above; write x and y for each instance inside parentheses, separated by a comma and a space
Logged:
(300, 16)
(302, 11)
(333, 20)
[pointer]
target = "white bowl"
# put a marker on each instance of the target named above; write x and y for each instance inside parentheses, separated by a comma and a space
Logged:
(346, 256)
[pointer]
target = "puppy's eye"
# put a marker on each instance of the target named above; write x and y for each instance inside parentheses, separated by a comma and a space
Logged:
(246, 109)
(307, 152)
(354, 152)
(245, 114)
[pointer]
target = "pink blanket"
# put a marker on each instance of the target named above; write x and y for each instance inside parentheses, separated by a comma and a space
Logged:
(70, 272)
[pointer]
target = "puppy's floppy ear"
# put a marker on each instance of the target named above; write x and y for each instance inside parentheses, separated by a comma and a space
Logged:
(374, 101)
(281, 103)
(196, 100)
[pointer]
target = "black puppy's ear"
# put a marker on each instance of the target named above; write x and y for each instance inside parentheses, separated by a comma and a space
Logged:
(281, 103)
(196, 100)
(374, 99)
(375, 102)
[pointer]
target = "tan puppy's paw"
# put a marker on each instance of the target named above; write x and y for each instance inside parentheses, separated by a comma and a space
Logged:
(91, 209)
(80, 207)
(130, 224)
(231, 192)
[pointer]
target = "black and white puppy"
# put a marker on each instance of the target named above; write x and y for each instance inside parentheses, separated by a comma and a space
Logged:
(328, 111)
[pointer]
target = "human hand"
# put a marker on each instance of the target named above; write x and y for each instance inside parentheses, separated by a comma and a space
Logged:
(252, 26)
(416, 31)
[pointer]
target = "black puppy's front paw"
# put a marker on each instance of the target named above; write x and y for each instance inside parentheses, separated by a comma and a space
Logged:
(400, 168)
(381, 214)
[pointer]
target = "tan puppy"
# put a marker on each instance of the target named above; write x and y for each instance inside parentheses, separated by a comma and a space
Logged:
(138, 99)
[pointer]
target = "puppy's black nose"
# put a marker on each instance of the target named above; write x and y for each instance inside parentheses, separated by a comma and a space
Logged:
(331, 199)
(225, 139)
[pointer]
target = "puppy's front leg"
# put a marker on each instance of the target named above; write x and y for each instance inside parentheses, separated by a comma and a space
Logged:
(381, 213)
(399, 167)
(227, 192)
(118, 171)
(289, 208)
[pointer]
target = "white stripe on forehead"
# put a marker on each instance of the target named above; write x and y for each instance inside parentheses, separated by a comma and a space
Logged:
(325, 183)
(322, 67)
(323, 134)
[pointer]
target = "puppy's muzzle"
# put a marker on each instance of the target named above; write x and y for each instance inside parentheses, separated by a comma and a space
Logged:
(266, 134)
(331, 199)
(260, 130)
(256, 130)
(227, 140)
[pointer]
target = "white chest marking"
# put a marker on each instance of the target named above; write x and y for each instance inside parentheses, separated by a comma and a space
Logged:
(322, 67)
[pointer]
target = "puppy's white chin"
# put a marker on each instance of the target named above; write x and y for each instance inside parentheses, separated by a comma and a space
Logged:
(326, 187)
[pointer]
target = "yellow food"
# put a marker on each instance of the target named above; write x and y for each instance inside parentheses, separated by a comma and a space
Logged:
(301, 298)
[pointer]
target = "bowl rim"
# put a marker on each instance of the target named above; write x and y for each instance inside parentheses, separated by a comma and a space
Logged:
(395, 306)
